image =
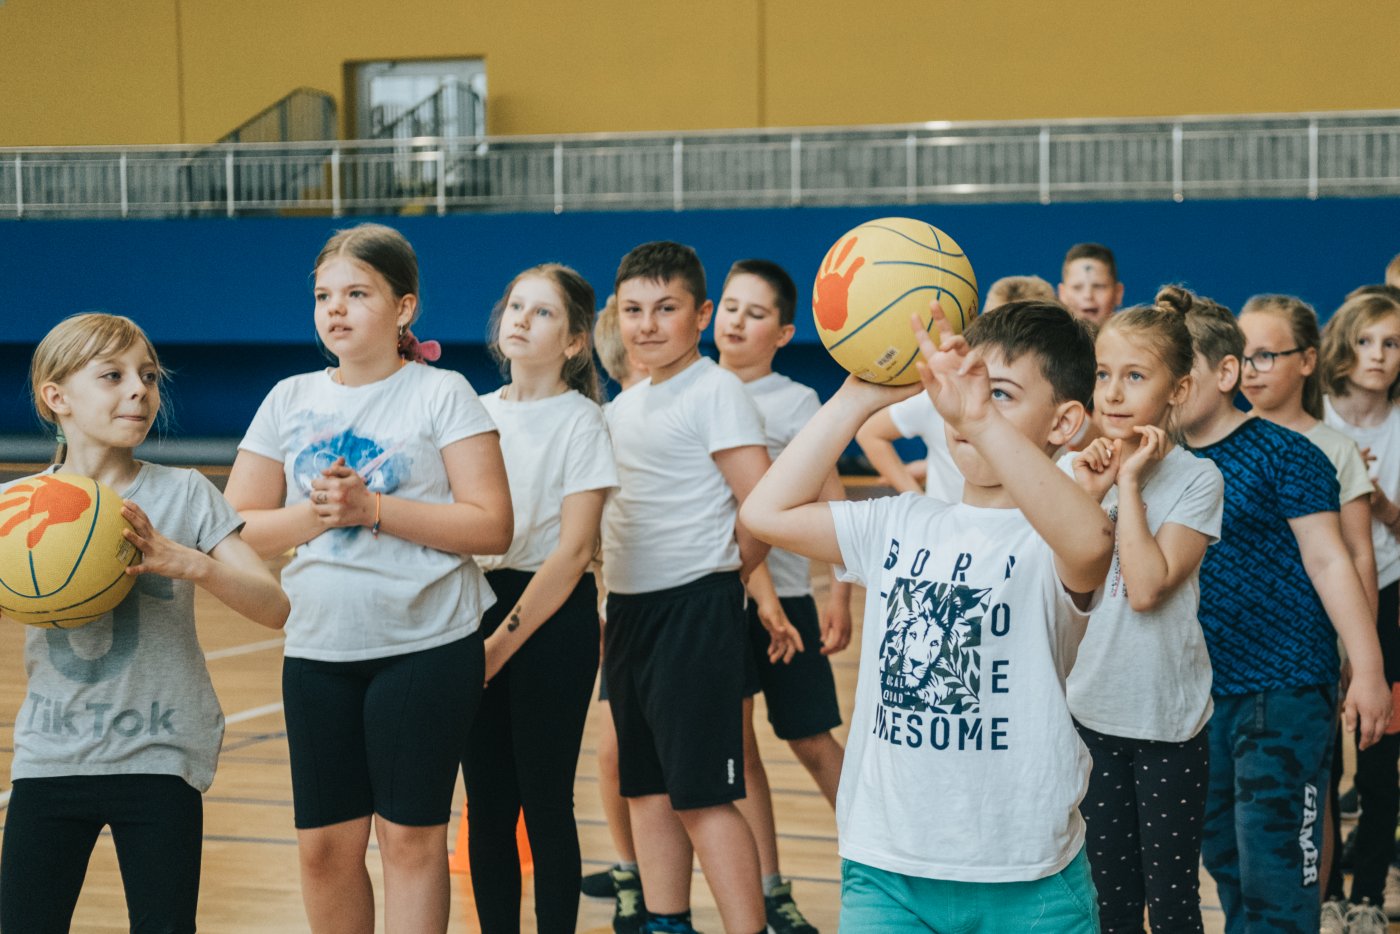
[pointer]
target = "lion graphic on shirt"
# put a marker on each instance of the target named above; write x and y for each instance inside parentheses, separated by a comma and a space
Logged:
(930, 657)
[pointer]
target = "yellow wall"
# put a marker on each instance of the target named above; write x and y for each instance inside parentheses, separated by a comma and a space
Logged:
(165, 71)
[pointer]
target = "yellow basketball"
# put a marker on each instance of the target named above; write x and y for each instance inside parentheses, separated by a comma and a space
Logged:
(870, 283)
(63, 558)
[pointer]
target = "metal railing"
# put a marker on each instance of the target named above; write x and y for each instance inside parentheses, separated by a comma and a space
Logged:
(454, 109)
(304, 114)
(1306, 156)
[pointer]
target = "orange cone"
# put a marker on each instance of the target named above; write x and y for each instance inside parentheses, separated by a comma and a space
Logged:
(459, 861)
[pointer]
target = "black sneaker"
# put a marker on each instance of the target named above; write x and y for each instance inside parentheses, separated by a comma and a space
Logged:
(1348, 805)
(597, 884)
(630, 913)
(782, 913)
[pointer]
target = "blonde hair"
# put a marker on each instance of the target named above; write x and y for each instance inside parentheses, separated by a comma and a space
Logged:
(1215, 334)
(1339, 338)
(72, 344)
(1302, 323)
(607, 337)
(1019, 289)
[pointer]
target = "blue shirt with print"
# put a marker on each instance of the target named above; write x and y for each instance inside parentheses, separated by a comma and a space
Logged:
(1264, 624)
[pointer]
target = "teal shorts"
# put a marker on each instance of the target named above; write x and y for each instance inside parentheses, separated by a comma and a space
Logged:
(875, 900)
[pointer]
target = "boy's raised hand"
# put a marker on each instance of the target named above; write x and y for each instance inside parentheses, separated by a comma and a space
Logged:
(953, 373)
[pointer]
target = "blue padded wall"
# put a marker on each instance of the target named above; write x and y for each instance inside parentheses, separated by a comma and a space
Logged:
(228, 301)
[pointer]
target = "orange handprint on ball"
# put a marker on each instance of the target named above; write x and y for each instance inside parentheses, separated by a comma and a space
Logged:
(834, 288)
(58, 502)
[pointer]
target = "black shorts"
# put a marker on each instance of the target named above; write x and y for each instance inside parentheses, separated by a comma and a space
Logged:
(675, 663)
(801, 695)
(383, 736)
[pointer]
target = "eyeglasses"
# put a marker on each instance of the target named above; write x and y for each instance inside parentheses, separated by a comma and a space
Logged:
(1263, 360)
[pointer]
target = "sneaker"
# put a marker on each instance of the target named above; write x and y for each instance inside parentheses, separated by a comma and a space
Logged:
(1366, 918)
(630, 913)
(1334, 918)
(598, 884)
(1349, 805)
(1392, 893)
(783, 916)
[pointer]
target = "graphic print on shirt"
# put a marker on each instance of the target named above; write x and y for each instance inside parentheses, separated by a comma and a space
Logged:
(1115, 572)
(382, 464)
(930, 656)
(96, 654)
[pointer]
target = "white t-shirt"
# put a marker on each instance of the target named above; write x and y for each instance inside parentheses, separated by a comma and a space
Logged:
(963, 761)
(786, 405)
(1384, 442)
(552, 448)
(672, 518)
(916, 417)
(129, 693)
(355, 596)
(1146, 675)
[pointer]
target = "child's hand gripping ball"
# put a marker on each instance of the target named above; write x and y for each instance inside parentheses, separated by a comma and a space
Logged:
(872, 279)
(63, 557)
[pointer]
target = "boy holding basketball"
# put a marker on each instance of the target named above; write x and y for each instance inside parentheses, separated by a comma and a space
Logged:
(1089, 285)
(961, 784)
(689, 446)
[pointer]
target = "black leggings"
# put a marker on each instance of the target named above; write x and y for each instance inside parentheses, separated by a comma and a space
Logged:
(1377, 782)
(52, 825)
(522, 753)
(1144, 813)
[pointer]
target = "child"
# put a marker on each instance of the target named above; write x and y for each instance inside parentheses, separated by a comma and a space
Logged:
(1281, 382)
(524, 744)
(1360, 375)
(1089, 285)
(120, 727)
(1140, 688)
(619, 882)
(754, 320)
(386, 477)
(959, 795)
(1268, 589)
(689, 446)
(916, 417)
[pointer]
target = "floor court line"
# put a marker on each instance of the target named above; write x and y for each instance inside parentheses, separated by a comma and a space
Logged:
(247, 649)
(253, 713)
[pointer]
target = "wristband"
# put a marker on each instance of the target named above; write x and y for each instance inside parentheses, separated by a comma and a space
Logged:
(374, 529)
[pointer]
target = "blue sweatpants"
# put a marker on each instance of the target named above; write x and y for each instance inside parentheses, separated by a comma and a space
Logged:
(1269, 758)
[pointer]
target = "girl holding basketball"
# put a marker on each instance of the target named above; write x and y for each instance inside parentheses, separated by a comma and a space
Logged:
(1140, 688)
(542, 634)
(386, 476)
(120, 727)
(1360, 376)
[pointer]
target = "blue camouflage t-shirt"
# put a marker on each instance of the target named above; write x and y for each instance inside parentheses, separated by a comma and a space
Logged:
(1264, 623)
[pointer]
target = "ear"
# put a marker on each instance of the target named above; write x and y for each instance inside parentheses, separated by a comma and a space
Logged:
(1069, 418)
(577, 345)
(1227, 374)
(408, 307)
(703, 315)
(1182, 391)
(1118, 296)
(1309, 357)
(1062, 292)
(785, 334)
(53, 397)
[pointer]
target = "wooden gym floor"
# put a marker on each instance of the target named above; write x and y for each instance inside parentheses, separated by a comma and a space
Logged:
(250, 879)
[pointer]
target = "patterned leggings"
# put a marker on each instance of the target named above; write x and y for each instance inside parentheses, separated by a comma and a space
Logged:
(1144, 813)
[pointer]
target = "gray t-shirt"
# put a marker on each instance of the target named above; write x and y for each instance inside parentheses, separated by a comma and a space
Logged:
(129, 693)
(1146, 675)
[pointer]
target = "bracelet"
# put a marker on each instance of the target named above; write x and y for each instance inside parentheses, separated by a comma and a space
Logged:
(378, 500)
